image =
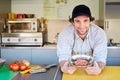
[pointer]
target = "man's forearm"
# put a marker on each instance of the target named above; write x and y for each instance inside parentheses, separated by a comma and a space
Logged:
(101, 65)
(62, 63)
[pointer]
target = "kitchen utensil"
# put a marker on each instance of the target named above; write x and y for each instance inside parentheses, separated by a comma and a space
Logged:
(29, 15)
(40, 68)
(2, 62)
(81, 56)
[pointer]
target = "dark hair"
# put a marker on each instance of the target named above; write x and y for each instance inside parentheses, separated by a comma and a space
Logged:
(92, 19)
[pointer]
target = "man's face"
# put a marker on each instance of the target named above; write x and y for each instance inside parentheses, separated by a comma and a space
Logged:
(82, 24)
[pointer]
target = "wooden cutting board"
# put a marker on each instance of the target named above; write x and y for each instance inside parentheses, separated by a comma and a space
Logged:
(7, 74)
(110, 73)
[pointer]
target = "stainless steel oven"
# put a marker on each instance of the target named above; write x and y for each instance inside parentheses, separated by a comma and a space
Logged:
(22, 25)
(22, 39)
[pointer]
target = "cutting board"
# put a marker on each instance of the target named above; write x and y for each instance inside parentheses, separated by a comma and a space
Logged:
(110, 73)
(6, 73)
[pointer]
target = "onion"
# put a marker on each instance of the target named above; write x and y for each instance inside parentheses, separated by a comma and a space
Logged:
(26, 62)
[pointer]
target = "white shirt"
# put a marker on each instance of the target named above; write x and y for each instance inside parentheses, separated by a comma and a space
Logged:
(95, 41)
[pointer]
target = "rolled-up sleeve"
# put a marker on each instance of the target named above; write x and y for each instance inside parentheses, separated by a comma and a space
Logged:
(63, 48)
(100, 47)
(65, 40)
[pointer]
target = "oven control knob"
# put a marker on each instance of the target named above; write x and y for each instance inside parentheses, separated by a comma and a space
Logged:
(8, 39)
(33, 29)
(35, 39)
(19, 40)
(33, 23)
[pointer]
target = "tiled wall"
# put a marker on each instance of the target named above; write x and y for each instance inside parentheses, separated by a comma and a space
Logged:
(54, 27)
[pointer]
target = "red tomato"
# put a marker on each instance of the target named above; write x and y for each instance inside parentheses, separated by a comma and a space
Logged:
(15, 67)
(20, 63)
(23, 67)
(10, 66)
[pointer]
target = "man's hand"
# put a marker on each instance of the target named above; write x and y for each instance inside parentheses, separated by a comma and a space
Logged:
(94, 70)
(67, 68)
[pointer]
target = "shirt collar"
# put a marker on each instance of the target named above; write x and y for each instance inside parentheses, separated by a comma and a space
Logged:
(88, 33)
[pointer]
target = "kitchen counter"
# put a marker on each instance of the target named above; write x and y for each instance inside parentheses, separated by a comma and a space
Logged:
(110, 73)
(51, 46)
(48, 54)
(113, 47)
(53, 73)
(35, 55)
(6, 73)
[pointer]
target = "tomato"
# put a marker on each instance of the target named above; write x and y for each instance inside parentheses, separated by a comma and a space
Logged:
(20, 63)
(15, 67)
(10, 66)
(23, 67)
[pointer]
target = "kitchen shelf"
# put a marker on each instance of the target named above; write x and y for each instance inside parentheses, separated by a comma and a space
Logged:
(112, 3)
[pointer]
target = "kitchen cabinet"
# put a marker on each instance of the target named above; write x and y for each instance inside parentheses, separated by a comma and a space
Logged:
(36, 55)
(112, 9)
(12, 54)
(112, 19)
(44, 56)
(112, 29)
(113, 58)
(112, 0)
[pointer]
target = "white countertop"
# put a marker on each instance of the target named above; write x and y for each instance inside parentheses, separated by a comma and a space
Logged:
(50, 46)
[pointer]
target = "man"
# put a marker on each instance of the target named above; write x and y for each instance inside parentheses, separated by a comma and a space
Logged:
(82, 36)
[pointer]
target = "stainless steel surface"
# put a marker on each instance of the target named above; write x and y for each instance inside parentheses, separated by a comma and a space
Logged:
(22, 25)
(81, 56)
(22, 34)
(41, 68)
(53, 73)
(113, 47)
(22, 39)
(21, 20)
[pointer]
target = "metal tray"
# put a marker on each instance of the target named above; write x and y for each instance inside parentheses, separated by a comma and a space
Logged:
(81, 56)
